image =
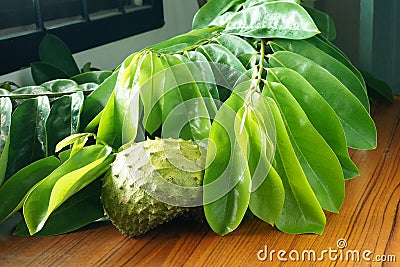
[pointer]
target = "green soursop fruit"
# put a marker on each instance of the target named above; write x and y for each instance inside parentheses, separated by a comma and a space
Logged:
(145, 177)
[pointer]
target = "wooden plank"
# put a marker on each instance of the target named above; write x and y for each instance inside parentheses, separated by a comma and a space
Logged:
(368, 220)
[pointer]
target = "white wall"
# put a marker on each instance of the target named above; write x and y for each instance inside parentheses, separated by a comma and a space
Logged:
(178, 15)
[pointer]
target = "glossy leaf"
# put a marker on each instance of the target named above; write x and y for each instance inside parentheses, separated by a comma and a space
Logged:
(73, 175)
(71, 139)
(358, 126)
(151, 82)
(30, 90)
(335, 67)
(88, 86)
(13, 192)
(319, 163)
(250, 3)
(323, 21)
(96, 77)
(61, 86)
(301, 211)
(127, 98)
(54, 51)
(227, 180)
(226, 67)
(184, 112)
(245, 52)
(202, 75)
(236, 45)
(206, 71)
(314, 105)
(63, 119)
(223, 19)
(78, 211)
(211, 10)
(28, 140)
(273, 20)
(185, 41)
(329, 48)
(4, 160)
(5, 118)
(43, 72)
(97, 100)
(267, 192)
(106, 130)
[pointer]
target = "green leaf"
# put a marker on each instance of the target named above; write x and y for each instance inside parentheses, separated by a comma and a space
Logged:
(236, 45)
(379, 90)
(73, 175)
(223, 19)
(96, 77)
(88, 86)
(54, 51)
(97, 100)
(5, 116)
(206, 71)
(127, 104)
(314, 105)
(211, 10)
(184, 112)
(4, 160)
(78, 211)
(245, 52)
(185, 41)
(63, 119)
(267, 192)
(227, 180)
(106, 130)
(358, 126)
(250, 3)
(71, 139)
(319, 163)
(61, 86)
(43, 72)
(273, 20)
(226, 67)
(20, 95)
(329, 48)
(151, 82)
(13, 192)
(335, 67)
(301, 211)
(323, 21)
(28, 141)
(86, 67)
(202, 75)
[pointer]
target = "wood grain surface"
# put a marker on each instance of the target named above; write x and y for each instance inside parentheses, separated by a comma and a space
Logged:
(368, 221)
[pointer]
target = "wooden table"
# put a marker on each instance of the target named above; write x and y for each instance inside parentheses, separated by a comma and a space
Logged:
(368, 221)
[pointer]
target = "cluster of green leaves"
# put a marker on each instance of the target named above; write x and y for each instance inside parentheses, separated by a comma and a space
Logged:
(34, 120)
(277, 143)
(302, 94)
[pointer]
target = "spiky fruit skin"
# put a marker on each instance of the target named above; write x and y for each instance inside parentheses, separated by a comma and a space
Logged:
(138, 169)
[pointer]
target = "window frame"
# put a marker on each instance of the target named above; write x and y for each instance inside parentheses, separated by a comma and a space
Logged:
(19, 51)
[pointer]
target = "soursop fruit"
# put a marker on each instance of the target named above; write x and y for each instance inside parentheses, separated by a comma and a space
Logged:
(152, 182)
